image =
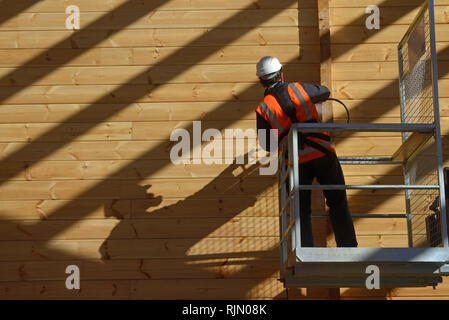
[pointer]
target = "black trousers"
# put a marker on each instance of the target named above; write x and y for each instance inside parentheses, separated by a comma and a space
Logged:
(326, 170)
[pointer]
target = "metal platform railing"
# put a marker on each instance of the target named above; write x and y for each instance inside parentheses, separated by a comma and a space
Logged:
(293, 255)
(425, 259)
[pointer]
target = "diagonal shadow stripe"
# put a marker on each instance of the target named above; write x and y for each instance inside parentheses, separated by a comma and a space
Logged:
(82, 115)
(126, 20)
(219, 108)
(122, 22)
(148, 173)
(163, 147)
(11, 8)
(160, 149)
(123, 90)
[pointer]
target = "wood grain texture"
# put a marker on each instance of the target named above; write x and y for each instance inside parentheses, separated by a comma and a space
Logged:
(58, 6)
(162, 19)
(101, 192)
(375, 52)
(158, 38)
(388, 15)
(158, 75)
(388, 34)
(119, 56)
(380, 3)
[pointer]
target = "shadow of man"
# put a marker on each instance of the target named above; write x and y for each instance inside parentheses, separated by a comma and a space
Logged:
(223, 235)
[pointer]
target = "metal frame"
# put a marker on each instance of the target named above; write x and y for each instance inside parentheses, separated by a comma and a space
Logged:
(297, 256)
(434, 258)
(292, 172)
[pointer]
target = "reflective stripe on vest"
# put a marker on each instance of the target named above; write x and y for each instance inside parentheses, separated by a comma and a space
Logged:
(303, 104)
(325, 144)
(301, 99)
(271, 116)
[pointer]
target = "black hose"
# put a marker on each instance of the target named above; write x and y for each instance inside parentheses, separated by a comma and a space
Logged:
(346, 108)
(347, 114)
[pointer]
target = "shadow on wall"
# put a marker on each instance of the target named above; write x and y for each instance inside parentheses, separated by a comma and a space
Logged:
(223, 237)
(119, 246)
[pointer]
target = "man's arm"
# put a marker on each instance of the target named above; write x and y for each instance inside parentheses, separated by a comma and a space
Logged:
(316, 93)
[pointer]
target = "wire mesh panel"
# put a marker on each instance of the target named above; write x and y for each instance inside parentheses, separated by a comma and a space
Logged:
(417, 92)
(424, 215)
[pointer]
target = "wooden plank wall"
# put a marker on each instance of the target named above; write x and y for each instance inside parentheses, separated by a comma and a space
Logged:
(85, 120)
(365, 73)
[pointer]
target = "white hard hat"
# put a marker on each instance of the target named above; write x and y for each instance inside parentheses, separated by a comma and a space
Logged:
(268, 66)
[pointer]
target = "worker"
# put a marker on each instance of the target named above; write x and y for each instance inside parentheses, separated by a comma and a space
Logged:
(286, 103)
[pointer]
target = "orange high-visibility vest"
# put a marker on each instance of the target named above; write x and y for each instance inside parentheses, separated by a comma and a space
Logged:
(312, 145)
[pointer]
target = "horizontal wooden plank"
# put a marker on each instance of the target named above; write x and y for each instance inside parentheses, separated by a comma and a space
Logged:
(121, 131)
(156, 55)
(441, 290)
(134, 169)
(111, 150)
(377, 241)
(162, 130)
(114, 169)
(154, 150)
(389, 179)
(55, 290)
(380, 3)
(364, 52)
(370, 71)
(375, 70)
(159, 130)
(253, 206)
(141, 130)
(157, 75)
(132, 93)
(166, 111)
(380, 226)
(149, 289)
(159, 38)
(79, 131)
(388, 34)
(286, 53)
(262, 247)
(371, 109)
(375, 89)
(364, 110)
(87, 150)
(199, 188)
(164, 19)
(228, 268)
(137, 189)
(388, 15)
(189, 207)
(156, 228)
(173, 228)
(367, 146)
(73, 210)
(131, 249)
(376, 52)
(268, 288)
(375, 203)
(382, 169)
(125, 5)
